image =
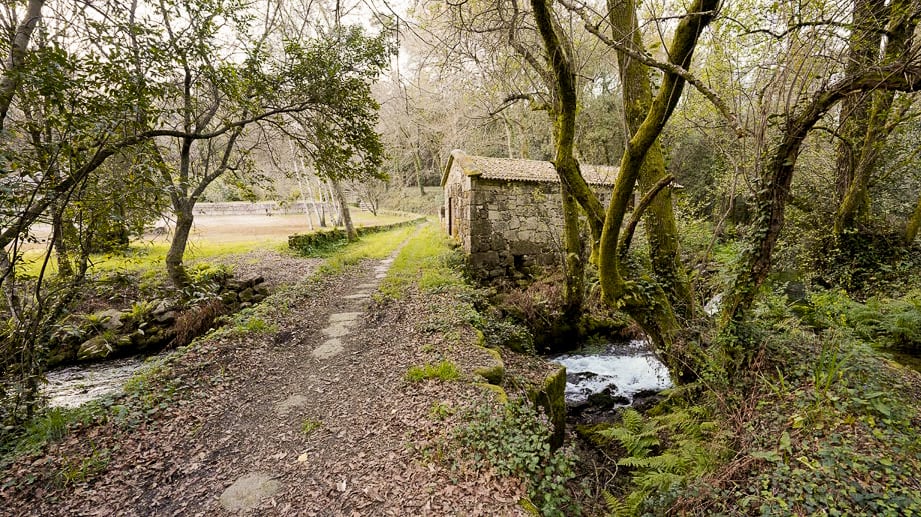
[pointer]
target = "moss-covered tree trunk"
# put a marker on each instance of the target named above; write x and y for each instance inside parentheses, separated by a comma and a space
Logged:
(863, 50)
(914, 224)
(572, 185)
(643, 297)
(175, 268)
(855, 206)
(661, 228)
(60, 228)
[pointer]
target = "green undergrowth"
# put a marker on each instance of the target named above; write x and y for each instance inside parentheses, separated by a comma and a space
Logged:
(427, 261)
(513, 439)
(824, 424)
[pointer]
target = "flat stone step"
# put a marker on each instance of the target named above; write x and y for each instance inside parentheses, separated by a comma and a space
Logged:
(329, 348)
(248, 491)
(344, 316)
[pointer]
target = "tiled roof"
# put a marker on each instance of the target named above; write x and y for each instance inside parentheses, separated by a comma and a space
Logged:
(511, 169)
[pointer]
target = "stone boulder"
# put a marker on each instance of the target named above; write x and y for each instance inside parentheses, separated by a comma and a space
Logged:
(94, 349)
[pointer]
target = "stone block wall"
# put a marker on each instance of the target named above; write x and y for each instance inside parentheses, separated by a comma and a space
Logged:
(514, 226)
(457, 208)
(257, 208)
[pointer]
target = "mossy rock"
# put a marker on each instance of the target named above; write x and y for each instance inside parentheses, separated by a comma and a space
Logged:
(529, 507)
(551, 396)
(495, 373)
(499, 391)
(94, 349)
(480, 338)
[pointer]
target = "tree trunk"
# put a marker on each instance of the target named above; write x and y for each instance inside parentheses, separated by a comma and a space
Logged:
(8, 277)
(344, 211)
(643, 297)
(661, 228)
(417, 162)
(567, 168)
(902, 20)
(855, 206)
(863, 50)
(573, 248)
(59, 241)
(12, 76)
(300, 186)
(509, 137)
(914, 223)
(174, 266)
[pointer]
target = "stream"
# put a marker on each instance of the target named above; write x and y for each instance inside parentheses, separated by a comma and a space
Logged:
(612, 375)
(75, 385)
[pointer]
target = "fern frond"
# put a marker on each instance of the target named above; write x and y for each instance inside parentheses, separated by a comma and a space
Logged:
(655, 480)
(632, 420)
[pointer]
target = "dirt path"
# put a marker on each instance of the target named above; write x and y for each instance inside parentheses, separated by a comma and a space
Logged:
(311, 418)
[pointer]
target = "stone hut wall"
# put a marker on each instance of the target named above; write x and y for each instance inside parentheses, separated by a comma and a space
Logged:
(457, 218)
(514, 226)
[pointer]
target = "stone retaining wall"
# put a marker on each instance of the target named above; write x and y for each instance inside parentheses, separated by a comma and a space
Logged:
(259, 208)
(305, 242)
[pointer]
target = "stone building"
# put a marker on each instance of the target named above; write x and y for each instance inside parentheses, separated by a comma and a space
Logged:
(506, 213)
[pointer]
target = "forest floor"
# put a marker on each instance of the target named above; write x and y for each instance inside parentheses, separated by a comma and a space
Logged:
(300, 408)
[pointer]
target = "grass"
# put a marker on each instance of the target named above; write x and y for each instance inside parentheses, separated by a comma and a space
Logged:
(443, 371)
(374, 246)
(309, 426)
(215, 239)
(427, 260)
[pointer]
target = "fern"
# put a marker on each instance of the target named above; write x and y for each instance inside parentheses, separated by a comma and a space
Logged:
(636, 435)
(692, 452)
(615, 507)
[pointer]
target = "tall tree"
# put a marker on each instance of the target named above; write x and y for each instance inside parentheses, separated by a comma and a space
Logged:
(888, 74)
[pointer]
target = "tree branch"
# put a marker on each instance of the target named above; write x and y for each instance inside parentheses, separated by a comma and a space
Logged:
(668, 67)
(644, 203)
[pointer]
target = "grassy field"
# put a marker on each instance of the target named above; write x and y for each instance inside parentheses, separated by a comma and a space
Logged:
(211, 236)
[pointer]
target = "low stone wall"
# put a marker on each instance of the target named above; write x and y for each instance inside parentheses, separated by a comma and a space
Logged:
(259, 208)
(305, 242)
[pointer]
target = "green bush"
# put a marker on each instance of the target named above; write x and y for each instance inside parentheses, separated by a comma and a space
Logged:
(888, 323)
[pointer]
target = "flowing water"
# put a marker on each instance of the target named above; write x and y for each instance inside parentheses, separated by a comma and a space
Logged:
(72, 386)
(618, 370)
